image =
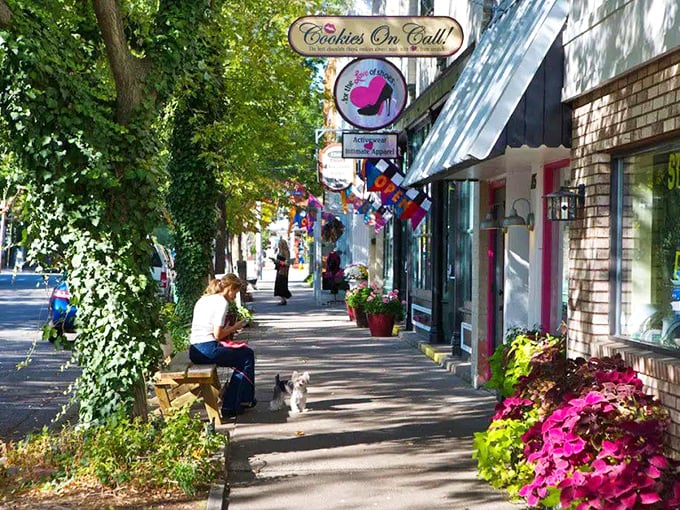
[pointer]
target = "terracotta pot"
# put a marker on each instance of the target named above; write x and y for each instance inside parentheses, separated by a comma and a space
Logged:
(350, 311)
(360, 318)
(380, 324)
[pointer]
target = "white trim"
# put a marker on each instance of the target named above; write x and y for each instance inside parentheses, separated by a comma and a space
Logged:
(465, 326)
(420, 309)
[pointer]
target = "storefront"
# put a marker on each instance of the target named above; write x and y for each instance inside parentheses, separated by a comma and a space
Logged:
(493, 151)
(624, 295)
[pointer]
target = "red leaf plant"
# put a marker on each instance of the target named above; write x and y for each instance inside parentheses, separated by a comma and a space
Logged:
(601, 446)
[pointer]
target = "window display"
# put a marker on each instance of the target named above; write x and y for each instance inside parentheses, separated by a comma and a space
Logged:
(649, 247)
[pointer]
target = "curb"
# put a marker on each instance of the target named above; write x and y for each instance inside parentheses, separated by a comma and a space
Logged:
(440, 354)
(218, 497)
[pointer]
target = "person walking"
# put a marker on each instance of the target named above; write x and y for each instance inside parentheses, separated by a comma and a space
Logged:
(211, 337)
(281, 264)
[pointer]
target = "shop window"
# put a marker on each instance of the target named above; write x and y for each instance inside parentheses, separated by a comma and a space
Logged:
(647, 248)
(426, 7)
(464, 244)
(388, 255)
(421, 256)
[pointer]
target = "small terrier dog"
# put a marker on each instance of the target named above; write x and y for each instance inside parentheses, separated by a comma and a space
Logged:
(296, 388)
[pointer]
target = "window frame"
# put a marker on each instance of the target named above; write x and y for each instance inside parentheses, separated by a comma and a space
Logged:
(617, 194)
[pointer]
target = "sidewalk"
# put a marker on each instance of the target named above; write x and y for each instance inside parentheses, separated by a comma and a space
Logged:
(386, 428)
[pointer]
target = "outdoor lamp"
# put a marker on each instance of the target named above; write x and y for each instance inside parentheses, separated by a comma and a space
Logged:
(490, 222)
(563, 205)
(515, 220)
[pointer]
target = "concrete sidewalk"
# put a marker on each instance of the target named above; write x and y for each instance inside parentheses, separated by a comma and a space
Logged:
(386, 427)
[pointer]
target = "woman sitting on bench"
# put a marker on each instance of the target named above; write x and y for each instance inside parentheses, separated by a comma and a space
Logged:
(210, 335)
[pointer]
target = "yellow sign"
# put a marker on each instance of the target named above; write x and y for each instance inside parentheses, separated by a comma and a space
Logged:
(376, 36)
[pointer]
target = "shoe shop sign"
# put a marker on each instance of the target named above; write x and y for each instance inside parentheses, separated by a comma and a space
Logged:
(376, 36)
(370, 93)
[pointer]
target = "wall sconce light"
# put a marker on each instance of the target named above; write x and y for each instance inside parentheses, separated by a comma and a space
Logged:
(515, 220)
(563, 205)
(490, 222)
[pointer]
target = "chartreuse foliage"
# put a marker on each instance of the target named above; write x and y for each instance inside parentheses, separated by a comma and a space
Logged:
(170, 453)
(88, 149)
(243, 127)
(579, 434)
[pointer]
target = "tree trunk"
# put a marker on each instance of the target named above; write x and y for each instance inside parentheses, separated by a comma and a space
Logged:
(220, 235)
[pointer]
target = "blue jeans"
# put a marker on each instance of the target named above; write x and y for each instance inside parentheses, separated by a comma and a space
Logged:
(241, 389)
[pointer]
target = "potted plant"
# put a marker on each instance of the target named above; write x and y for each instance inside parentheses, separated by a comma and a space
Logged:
(355, 273)
(382, 310)
(356, 300)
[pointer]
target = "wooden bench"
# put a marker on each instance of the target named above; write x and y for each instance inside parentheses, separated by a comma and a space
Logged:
(182, 376)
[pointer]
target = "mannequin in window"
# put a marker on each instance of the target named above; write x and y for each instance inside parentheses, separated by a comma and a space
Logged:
(333, 276)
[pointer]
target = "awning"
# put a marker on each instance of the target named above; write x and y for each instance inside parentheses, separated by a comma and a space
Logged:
(493, 82)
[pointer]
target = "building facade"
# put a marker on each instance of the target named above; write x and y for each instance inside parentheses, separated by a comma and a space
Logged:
(624, 294)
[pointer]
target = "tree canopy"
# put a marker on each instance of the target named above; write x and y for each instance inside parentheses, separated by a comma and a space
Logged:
(85, 93)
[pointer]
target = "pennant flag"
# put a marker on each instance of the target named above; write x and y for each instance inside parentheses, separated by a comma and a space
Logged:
(406, 203)
(291, 219)
(371, 172)
(312, 201)
(420, 213)
(364, 207)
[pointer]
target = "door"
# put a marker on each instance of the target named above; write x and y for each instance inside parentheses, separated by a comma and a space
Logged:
(555, 263)
(496, 273)
(449, 305)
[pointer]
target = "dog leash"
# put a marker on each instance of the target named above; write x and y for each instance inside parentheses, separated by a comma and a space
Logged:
(244, 375)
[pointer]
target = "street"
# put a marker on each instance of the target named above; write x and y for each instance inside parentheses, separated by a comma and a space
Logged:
(32, 396)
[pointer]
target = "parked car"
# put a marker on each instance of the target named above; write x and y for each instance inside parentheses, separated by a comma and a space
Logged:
(62, 313)
(163, 271)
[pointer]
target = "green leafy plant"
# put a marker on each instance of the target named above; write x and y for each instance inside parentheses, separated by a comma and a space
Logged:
(240, 313)
(356, 296)
(177, 328)
(389, 303)
(500, 453)
(127, 453)
(512, 361)
(581, 434)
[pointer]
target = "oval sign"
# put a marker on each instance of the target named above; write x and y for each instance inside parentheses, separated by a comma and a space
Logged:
(336, 173)
(370, 93)
(376, 36)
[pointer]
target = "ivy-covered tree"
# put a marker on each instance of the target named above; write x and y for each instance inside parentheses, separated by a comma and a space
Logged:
(81, 89)
(243, 129)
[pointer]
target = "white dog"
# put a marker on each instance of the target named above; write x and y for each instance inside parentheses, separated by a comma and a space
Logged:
(296, 388)
(298, 397)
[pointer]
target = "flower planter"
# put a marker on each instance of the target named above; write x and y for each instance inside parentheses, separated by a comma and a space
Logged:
(380, 324)
(360, 318)
(350, 312)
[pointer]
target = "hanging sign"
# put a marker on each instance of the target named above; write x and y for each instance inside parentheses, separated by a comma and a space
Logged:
(376, 36)
(335, 172)
(369, 145)
(370, 93)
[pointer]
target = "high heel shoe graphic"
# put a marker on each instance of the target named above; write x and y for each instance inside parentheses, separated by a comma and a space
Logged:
(376, 108)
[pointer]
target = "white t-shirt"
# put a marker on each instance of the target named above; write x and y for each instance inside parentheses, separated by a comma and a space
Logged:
(209, 312)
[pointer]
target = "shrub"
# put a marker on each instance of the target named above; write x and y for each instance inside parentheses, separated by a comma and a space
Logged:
(176, 327)
(170, 453)
(602, 445)
(512, 361)
(575, 432)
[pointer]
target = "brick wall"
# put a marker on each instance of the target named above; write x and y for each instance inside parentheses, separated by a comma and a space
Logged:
(641, 108)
